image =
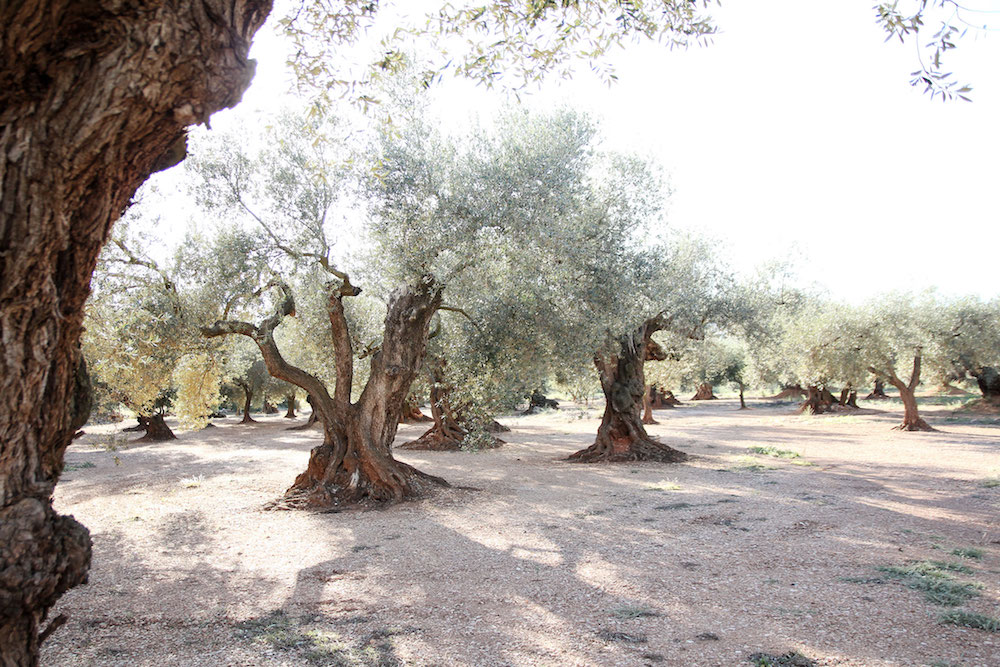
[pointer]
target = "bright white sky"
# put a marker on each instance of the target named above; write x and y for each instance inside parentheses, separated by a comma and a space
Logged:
(795, 132)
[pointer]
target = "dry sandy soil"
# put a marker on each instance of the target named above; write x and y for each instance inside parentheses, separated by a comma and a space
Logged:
(544, 562)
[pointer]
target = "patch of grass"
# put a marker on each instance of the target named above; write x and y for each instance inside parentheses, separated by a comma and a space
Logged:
(192, 482)
(749, 464)
(771, 450)
(951, 567)
(802, 462)
(790, 659)
(633, 611)
(664, 486)
(970, 620)
(862, 580)
(280, 631)
(938, 586)
(990, 482)
(70, 467)
(968, 552)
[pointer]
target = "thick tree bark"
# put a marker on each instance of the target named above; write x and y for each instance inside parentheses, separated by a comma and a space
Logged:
(852, 399)
(94, 96)
(290, 402)
(911, 416)
(354, 465)
(311, 421)
(878, 393)
(621, 436)
(412, 413)
(157, 430)
(663, 399)
(269, 408)
(140, 427)
(448, 432)
(704, 393)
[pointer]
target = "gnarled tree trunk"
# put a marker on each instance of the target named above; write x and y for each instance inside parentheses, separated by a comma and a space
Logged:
(621, 435)
(704, 393)
(354, 465)
(743, 403)
(538, 401)
(311, 421)
(448, 432)
(663, 399)
(912, 420)
(94, 96)
(647, 406)
(412, 413)
(290, 401)
(878, 393)
(157, 429)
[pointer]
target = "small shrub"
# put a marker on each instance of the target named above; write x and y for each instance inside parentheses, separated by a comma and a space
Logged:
(749, 464)
(971, 620)
(664, 486)
(70, 467)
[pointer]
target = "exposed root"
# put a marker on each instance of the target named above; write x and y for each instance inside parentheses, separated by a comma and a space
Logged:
(622, 450)
(452, 439)
(918, 425)
(402, 484)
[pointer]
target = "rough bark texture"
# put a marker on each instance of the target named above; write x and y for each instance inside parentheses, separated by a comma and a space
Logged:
(878, 393)
(621, 436)
(94, 96)
(704, 393)
(448, 432)
(663, 399)
(647, 406)
(157, 430)
(354, 465)
(290, 402)
(412, 413)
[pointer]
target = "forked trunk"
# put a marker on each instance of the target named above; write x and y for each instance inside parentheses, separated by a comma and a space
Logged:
(852, 400)
(354, 465)
(817, 401)
(878, 393)
(704, 393)
(95, 96)
(290, 412)
(157, 430)
(621, 436)
(911, 417)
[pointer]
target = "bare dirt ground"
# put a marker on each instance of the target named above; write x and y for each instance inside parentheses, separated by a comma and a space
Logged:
(547, 562)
